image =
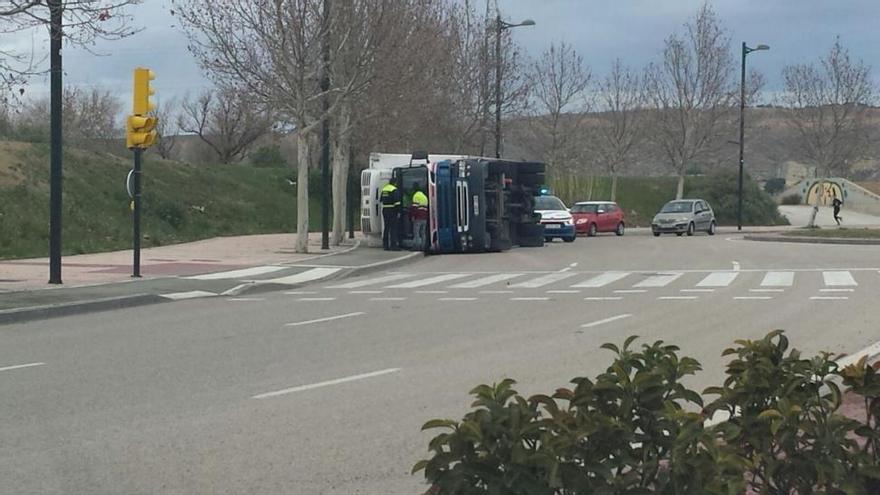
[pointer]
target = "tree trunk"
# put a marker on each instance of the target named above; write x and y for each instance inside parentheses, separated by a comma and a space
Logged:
(590, 192)
(613, 186)
(341, 159)
(302, 193)
(679, 190)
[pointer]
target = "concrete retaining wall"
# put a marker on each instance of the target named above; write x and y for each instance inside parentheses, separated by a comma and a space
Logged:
(855, 197)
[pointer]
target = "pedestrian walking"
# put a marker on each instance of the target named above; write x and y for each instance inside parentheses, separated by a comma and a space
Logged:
(418, 214)
(836, 203)
(390, 199)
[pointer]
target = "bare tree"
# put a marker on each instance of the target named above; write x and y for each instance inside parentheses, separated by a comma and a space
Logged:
(693, 93)
(226, 120)
(168, 127)
(84, 21)
(620, 126)
(90, 117)
(559, 84)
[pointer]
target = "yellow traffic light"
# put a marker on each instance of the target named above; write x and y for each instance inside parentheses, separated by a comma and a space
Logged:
(141, 132)
(143, 91)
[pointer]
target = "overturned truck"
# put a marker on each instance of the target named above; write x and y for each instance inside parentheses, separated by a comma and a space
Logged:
(475, 204)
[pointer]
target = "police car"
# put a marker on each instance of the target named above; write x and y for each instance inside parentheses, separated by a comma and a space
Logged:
(555, 217)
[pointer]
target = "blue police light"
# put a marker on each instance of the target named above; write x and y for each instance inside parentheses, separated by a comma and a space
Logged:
(544, 191)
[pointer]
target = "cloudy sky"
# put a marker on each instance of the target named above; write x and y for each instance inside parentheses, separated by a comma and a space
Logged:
(600, 30)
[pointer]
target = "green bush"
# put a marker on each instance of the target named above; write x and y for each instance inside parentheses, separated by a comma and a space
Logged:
(774, 186)
(792, 199)
(635, 430)
(720, 190)
(268, 156)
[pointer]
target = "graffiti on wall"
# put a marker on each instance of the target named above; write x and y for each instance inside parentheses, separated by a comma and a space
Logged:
(825, 191)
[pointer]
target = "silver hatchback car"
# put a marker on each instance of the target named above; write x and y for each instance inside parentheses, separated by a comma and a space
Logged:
(684, 216)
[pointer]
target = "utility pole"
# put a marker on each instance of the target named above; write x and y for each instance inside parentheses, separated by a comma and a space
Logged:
(325, 133)
(742, 126)
(499, 27)
(55, 180)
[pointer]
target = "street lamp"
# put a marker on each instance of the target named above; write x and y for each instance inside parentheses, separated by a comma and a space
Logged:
(742, 110)
(500, 25)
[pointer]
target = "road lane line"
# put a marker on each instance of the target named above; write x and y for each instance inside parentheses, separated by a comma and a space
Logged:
(609, 298)
(753, 298)
(839, 278)
(328, 383)
(563, 291)
(373, 281)
(193, 294)
(601, 280)
(529, 298)
(496, 292)
(836, 290)
(366, 291)
(630, 291)
(428, 281)
(457, 299)
(606, 320)
(245, 272)
(778, 279)
(766, 290)
(432, 292)
(481, 282)
(321, 320)
(718, 279)
(542, 281)
(677, 298)
(387, 299)
(829, 298)
(311, 299)
(20, 366)
(299, 278)
(659, 280)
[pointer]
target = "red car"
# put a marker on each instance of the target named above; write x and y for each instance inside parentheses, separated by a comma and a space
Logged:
(592, 217)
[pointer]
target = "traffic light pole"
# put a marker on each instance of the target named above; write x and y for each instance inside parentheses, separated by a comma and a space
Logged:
(136, 213)
(55, 179)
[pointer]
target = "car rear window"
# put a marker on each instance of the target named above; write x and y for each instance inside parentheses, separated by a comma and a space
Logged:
(678, 207)
(549, 203)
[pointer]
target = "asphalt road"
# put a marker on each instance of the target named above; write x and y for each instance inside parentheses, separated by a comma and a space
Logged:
(324, 389)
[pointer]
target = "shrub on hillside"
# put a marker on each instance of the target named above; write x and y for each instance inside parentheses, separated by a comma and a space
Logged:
(774, 186)
(632, 430)
(720, 190)
(792, 199)
(268, 156)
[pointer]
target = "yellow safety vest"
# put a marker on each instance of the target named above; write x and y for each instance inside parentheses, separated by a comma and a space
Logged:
(420, 199)
(387, 194)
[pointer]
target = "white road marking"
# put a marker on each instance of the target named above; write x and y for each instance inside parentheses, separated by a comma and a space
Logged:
(306, 276)
(312, 299)
(542, 281)
(245, 299)
(606, 320)
(839, 278)
(829, 298)
(432, 292)
(233, 291)
(321, 320)
(366, 291)
(529, 298)
(836, 290)
(778, 279)
(179, 296)
(300, 292)
(388, 299)
(601, 280)
(496, 292)
(563, 291)
(735, 265)
(718, 279)
(569, 267)
(753, 298)
(457, 299)
(766, 290)
(20, 366)
(659, 280)
(611, 298)
(428, 281)
(337, 381)
(373, 281)
(677, 298)
(697, 290)
(491, 279)
(630, 291)
(245, 272)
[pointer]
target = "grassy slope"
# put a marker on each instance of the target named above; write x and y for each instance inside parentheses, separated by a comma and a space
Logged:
(96, 216)
(848, 233)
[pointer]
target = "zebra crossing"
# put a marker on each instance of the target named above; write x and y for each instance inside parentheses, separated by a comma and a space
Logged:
(624, 282)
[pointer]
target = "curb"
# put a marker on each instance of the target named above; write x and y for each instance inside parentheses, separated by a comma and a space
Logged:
(813, 240)
(20, 315)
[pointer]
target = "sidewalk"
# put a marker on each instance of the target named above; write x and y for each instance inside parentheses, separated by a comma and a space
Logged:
(226, 266)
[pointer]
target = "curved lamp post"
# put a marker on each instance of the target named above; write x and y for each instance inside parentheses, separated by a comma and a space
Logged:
(742, 110)
(500, 25)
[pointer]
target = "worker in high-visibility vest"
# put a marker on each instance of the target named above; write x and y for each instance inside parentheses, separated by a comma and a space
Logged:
(418, 214)
(390, 198)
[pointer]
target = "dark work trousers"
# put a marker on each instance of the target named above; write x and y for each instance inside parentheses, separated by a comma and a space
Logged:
(391, 228)
(837, 214)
